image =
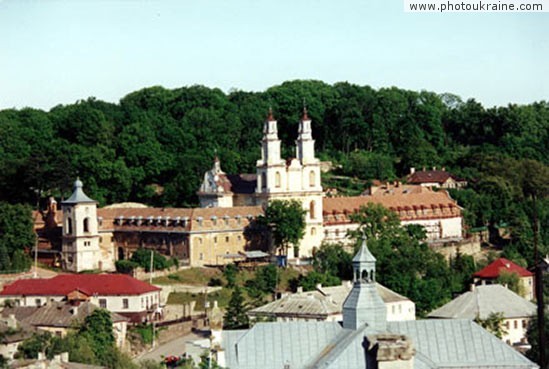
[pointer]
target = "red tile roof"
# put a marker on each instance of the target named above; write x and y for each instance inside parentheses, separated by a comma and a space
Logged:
(494, 269)
(63, 284)
(431, 176)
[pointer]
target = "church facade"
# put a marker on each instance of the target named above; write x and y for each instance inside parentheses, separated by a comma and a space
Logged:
(275, 179)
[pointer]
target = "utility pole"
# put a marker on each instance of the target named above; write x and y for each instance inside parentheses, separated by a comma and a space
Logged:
(151, 267)
(538, 275)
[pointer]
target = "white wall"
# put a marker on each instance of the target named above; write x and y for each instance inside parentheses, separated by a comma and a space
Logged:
(400, 311)
(516, 330)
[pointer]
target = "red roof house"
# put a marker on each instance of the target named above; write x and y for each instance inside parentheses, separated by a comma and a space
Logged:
(493, 271)
(118, 293)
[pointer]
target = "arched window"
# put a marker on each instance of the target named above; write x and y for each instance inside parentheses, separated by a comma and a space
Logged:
(312, 210)
(69, 226)
(277, 179)
(86, 225)
(312, 178)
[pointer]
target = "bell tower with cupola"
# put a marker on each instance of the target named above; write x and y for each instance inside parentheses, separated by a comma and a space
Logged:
(363, 304)
(80, 249)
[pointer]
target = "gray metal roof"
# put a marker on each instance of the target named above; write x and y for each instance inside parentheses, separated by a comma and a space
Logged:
(439, 344)
(271, 345)
(322, 302)
(458, 343)
(78, 196)
(364, 255)
(483, 301)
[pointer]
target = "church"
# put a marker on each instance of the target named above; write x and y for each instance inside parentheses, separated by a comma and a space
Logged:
(82, 236)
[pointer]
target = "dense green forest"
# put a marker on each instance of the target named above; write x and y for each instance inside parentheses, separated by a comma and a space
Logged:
(155, 144)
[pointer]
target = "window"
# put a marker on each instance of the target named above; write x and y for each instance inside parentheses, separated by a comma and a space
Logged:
(103, 303)
(277, 179)
(312, 210)
(69, 226)
(215, 239)
(226, 239)
(239, 238)
(100, 239)
(313, 231)
(226, 220)
(312, 179)
(142, 302)
(125, 304)
(516, 324)
(263, 180)
(524, 324)
(38, 302)
(86, 225)
(201, 256)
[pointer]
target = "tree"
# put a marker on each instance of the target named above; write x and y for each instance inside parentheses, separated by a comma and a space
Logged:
(511, 280)
(142, 257)
(235, 316)
(229, 272)
(286, 221)
(97, 330)
(493, 324)
(332, 259)
(16, 236)
(405, 263)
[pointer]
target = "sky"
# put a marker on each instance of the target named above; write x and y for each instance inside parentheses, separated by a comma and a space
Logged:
(59, 51)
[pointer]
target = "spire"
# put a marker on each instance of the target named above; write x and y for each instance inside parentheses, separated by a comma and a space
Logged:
(305, 116)
(270, 116)
(364, 305)
(78, 195)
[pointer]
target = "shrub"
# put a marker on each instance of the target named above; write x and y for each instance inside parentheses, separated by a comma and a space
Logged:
(125, 266)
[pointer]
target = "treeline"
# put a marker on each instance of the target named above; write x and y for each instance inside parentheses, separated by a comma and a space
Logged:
(155, 144)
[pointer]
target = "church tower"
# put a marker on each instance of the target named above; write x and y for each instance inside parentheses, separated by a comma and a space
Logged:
(80, 250)
(364, 305)
(296, 179)
(271, 169)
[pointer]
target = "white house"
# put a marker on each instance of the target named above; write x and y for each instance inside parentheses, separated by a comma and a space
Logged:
(488, 299)
(118, 293)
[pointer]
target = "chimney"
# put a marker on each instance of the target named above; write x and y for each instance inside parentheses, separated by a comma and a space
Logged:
(299, 289)
(434, 168)
(412, 170)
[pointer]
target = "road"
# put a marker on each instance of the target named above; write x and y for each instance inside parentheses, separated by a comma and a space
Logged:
(177, 347)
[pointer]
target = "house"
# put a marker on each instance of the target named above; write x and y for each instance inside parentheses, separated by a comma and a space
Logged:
(494, 270)
(59, 318)
(136, 300)
(12, 334)
(435, 178)
(60, 361)
(436, 211)
(484, 300)
(326, 304)
(364, 339)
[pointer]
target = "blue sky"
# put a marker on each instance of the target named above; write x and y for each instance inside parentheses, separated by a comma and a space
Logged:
(59, 51)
